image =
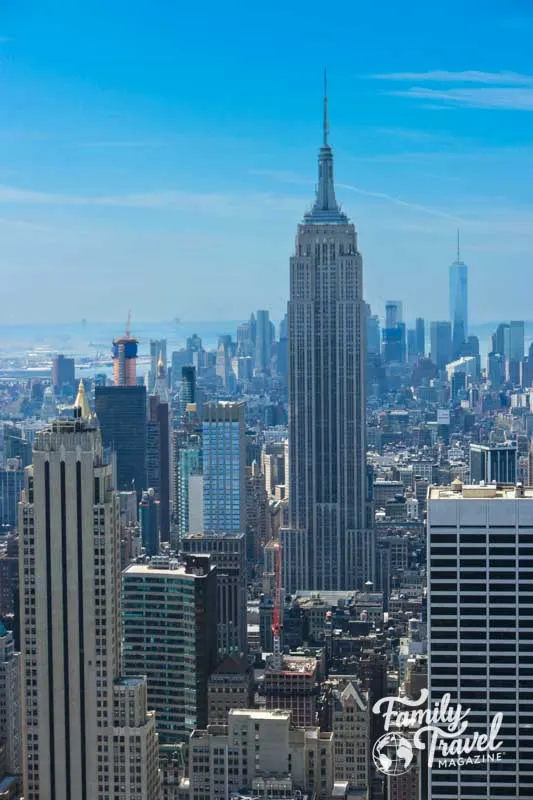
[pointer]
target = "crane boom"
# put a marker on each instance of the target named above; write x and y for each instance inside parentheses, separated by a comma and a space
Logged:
(276, 612)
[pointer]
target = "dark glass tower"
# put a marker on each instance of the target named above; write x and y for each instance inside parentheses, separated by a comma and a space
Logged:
(121, 412)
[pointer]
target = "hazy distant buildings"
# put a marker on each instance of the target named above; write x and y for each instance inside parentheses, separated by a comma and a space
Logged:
(458, 304)
(63, 373)
(516, 340)
(420, 328)
(327, 359)
(501, 340)
(158, 352)
(187, 386)
(441, 344)
(373, 343)
(393, 313)
(264, 337)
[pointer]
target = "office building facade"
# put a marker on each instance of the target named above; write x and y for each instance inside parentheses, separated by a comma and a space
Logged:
(228, 554)
(158, 448)
(260, 754)
(170, 636)
(121, 412)
(149, 514)
(224, 467)
(10, 703)
(73, 728)
(493, 463)
(480, 626)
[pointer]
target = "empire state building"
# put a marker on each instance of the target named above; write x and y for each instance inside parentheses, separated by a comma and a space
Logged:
(328, 545)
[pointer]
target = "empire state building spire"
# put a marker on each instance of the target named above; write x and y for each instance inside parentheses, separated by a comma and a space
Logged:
(328, 544)
(326, 121)
(325, 208)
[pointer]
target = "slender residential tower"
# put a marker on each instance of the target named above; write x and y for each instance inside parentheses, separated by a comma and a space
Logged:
(327, 546)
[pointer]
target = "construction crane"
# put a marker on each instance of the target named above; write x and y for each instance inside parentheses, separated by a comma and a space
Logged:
(277, 660)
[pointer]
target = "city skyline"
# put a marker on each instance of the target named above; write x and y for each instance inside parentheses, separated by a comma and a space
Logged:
(124, 165)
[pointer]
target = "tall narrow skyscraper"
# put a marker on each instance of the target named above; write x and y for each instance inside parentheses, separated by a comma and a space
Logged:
(458, 302)
(121, 412)
(224, 459)
(263, 342)
(86, 731)
(158, 447)
(327, 546)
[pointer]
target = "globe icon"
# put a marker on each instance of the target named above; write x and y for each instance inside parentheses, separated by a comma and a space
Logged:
(393, 754)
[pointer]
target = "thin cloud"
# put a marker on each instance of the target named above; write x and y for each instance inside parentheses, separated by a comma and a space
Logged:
(508, 98)
(465, 76)
(245, 204)
(122, 144)
(434, 212)
(290, 177)
(19, 224)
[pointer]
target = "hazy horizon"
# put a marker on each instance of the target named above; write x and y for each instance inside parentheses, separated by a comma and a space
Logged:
(143, 178)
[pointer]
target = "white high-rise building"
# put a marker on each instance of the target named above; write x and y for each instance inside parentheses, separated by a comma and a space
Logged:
(480, 627)
(86, 732)
(328, 546)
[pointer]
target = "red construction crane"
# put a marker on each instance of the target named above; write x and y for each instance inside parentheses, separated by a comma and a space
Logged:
(277, 661)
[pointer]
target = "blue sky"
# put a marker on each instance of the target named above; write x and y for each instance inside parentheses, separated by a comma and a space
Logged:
(158, 155)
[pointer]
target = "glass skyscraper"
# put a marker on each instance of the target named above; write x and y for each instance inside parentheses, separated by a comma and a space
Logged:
(458, 303)
(224, 466)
